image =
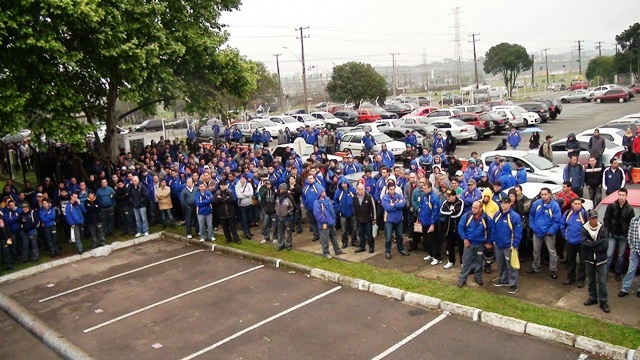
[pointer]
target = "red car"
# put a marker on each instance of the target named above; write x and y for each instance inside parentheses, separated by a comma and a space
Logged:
(422, 111)
(334, 108)
(577, 85)
(633, 198)
(616, 94)
(636, 88)
(368, 115)
(482, 122)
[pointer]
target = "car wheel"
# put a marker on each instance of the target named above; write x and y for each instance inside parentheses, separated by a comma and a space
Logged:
(244, 139)
(585, 100)
(598, 101)
(211, 141)
(564, 101)
(621, 100)
(554, 116)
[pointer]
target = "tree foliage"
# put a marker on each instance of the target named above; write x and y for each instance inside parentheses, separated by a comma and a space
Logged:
(628, 59)
(509, 60)
(62, 60)
(354, 81)
(602, 67)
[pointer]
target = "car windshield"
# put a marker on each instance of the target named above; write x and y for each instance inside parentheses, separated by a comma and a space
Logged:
(288, 119)
(382, 138)
(266, 123)
(378, 109)
(539, 162)
(307, 117)
(328, 116)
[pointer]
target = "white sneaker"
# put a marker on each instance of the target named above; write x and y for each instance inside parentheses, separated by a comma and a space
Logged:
(448, 265)
(213, 239)
(189, 236)
(138, 234)
(275, 241)
(146, 234)
(201, 240)
(263, 241)
(427, 258)
(435, 262)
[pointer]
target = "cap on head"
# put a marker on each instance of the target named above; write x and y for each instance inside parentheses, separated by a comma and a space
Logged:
(593, 214)
(459, 173)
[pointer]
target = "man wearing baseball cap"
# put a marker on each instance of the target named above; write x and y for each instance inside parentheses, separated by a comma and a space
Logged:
(594, 244)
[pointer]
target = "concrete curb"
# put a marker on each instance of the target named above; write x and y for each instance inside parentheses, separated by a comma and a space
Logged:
(461, 310)
(549, 333)
(503, 322)
(53, 340)
(601, 348)
(422, 300)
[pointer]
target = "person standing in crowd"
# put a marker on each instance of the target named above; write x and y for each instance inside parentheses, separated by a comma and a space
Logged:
(574, 173)
(571, 226)
(5, 243)
(634, 258)
(507, 235)
(124, 210)
(74, 213)
(471, 195)
(572, 145)
(429, 216)
(514, 137)
(617, 218)
(369, 142)
(534, 140)
(30, 222)
(310, 193)
(267, 195)
(364, 209)
(545, 149)
(139, 202)
(476, 230)
(593, 177)
(105, 196)
(94, 221)
(294, 189)
(47, 215)
(414, 192)
(244, 193)
(393, 203)
(203, 200)
(452, 210)
(284, 208)
(188, 201)
(163, 195)
(544, 217)
(613, 177)
(226, 211)
(326, 217)
(597, 146)
(343, 204)
(594, 244)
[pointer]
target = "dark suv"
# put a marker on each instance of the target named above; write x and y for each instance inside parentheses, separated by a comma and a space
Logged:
(350, 117)
(555, 109)
(538, 107)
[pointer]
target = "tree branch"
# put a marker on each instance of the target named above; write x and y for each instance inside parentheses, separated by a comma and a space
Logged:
(142, 106)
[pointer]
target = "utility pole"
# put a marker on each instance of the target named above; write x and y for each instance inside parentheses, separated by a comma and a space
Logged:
(475, 60)
(580, 57)
(304, 68)
(616, 45)
(393, 74)
(279, 81)
(533, 72)
(546, 64)
(457, 57)
(425, 82)
(599, 47)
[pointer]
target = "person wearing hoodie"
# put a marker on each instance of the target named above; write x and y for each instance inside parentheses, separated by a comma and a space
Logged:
(521, 173)
(470, 195)
(472, 171)
(267, 196)
(429, 217)
(572, 145)
(94, 220)
(490, 208)
(571, 226)
(343, 204)
(188, 202)
(74, 214)
(597, 146)
(507, 179)
(388, 159)
(310, 193)
(284, 208)
(30, 222)
(227, 212)
(514, 137)
(574, 173)
(476, 231)
(545, 219)
(594, 245)
(203, 199)
(282, 138)
(507, 234)
(393, 203)
(325, 216)
(47, 215)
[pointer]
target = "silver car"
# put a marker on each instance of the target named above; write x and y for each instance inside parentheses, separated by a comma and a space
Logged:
(560, 155)
(577, 95)
(539, 169)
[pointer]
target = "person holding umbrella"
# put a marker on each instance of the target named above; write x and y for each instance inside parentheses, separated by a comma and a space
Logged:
(534, 139)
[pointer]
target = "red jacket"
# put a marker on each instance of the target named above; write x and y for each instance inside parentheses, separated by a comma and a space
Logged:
(567, 199)
(636, 145)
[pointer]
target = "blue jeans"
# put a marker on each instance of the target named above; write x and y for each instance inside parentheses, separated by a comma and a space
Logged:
(142, 224)
(471, 260)
(634, 260)
(205, 224)
(396, 229)
(245, 218)
(267, 224)
(620, 242)
(508, 275)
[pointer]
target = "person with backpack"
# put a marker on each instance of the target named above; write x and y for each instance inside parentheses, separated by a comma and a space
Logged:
(507, 235)
(476, 230)
(545, 150)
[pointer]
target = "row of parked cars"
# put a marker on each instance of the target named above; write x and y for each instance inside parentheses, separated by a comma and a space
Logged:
(604, 93)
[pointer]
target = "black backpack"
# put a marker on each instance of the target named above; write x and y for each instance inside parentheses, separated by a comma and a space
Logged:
(540, 151)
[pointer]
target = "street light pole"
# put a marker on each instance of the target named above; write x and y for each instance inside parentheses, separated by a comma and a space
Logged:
(279, 81)
(304, 68)
(546, 64)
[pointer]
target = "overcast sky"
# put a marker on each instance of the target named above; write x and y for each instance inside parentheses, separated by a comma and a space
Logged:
(368, 31)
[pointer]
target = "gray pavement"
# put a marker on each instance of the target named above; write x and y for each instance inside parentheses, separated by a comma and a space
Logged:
(202, 304)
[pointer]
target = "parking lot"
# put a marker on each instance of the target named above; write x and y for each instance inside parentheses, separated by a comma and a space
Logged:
(164, 300)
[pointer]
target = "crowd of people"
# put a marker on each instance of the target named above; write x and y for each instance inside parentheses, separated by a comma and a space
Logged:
(429, 201)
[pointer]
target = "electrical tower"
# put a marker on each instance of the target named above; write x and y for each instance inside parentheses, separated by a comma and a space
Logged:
(546, 64)
(457, 55)
(425, 80)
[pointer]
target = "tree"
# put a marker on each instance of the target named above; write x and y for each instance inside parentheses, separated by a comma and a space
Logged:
(509, 60)
(628, 59)
(601, 67)
(75, 59)
(354, 81)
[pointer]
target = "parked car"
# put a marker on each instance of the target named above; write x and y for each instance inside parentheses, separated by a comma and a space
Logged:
(410, 120)
(205, 134)
(577, 85)
(309, 120)
(442, 114)
(17, 137)
(600, 90)
(539, 108)
(278, 151)
(494, 103)
(618, 94)
(353, 141)
(529, 117)
(555, 109)
(470, 108)
(148, 125)
(295, 111)
(539, 169)
(560, 151)
(422, 111)
(398, 109)
(577, 95)
(399, 133)
(333, 108)
(484, 126)
(459, 129)
(368, 115)
(614, 135)
(384, 114)
(370, 127)
(513, 117)
(330, 121)
(287, 121)
(532, 191)
(248, 127)
(450, 99)
(350, 117)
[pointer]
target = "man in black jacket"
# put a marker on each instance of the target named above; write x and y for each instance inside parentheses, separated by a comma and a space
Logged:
(365, 211)
(594, 244)
(139, 201)
(617, 218)
(124, 212)
(94, 220)
(593, 180)
(227, 212)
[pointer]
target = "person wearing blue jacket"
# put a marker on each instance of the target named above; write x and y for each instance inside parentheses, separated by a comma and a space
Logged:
(572, 222)
(30, 222)
(575, 174)
(494, 169)
(369, 142)
(265, 138)
(310, 193)
(311, 137)
(47, 215)
(545, 219)
(472, 171)
(393, 202)
(237, 135)
(325, 217)
(255, 137)
(343, 203)
(387, 156)
(470, 195)
(476, 231)
(74, 214)
(514, 137)
(410, 138)
(429, 216)
(506, 178)
(227, 134)
(203, 199)
(521, 173)
(507, 234)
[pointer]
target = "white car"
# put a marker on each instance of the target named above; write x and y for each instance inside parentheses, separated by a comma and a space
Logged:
(600, 90)
(531, 190)
(442, 114)
(287, 121)
(248, 127)
(410, 120)
(614, 135)
(539, 169)
(386, 122)
(309, 120)
(278, 151)
(330, 121)
(577, 95)
(560, 155)
(459, 129)
(529, 117)
(353, 141)
(514, 117)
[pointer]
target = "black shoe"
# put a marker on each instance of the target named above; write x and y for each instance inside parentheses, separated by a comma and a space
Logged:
(344, 246)
(404, 253)
(387, 255)
(238, 241)
(605, 307)
(370, 250)
(487, 270)
(280, 248)
(622, 294)
(533, 271)
(580, 284)
(638, 294)
(618, 278)
(479, 282)
(461, 284)
(554, 275)
(590, 302)
(80, 252)
(513, 289)
(315, 239)
(359, 250)
(568, 282)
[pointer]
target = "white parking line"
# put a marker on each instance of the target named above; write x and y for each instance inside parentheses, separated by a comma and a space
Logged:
(119, 275)
(171, 299)
(255, 326)
(411, 337)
